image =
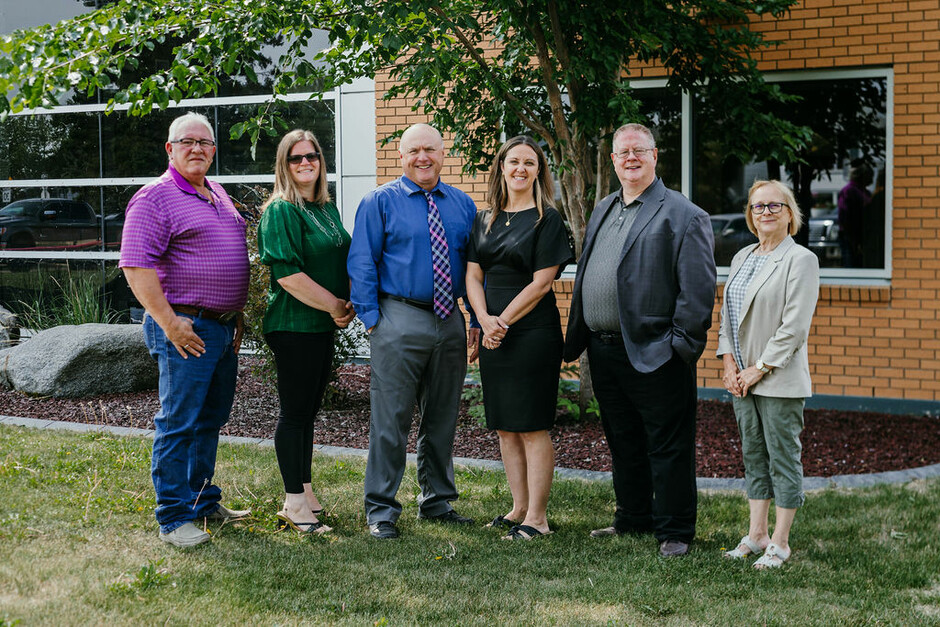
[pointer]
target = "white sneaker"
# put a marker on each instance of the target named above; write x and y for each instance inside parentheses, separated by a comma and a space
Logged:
(186, 535)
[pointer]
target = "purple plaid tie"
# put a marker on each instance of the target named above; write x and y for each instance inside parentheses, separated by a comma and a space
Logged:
(440, 258)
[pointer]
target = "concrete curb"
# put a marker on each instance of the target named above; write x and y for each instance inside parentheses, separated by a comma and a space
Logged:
(703, 483)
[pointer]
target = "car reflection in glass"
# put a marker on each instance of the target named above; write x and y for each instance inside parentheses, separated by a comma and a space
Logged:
(55, 224)
(731, 235)
(824, 238)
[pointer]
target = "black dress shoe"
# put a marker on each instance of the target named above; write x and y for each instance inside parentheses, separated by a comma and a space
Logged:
(450, 517)
(384, 530)
(673, 548)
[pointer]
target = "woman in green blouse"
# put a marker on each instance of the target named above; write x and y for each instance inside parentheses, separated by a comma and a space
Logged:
(302, 238)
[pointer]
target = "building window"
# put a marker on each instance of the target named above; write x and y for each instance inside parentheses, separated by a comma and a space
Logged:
(840, 179)
(67, 174)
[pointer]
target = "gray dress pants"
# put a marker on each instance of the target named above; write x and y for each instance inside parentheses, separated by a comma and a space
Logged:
(416, 357)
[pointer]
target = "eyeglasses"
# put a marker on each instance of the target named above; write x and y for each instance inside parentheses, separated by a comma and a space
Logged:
(189, 142)
(310, 156)
(638, 152)
(773, 207)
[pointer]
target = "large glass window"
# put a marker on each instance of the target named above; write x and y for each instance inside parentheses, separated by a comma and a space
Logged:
(66, 175)
(662, 109)
(234, 155)
(47, 146)
(839, 178)
(136, 146)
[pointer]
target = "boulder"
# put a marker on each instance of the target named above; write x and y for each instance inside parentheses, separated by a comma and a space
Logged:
(81, 360)
(9, 328)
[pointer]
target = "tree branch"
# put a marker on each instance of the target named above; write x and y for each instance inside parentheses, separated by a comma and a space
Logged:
(525, 114)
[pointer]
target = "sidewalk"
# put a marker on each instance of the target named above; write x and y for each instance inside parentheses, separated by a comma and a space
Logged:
(704, 483)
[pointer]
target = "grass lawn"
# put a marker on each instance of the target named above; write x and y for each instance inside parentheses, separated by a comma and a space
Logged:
(78, 545)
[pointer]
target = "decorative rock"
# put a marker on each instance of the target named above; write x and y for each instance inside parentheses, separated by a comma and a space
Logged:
(82, 360)
(9, 328)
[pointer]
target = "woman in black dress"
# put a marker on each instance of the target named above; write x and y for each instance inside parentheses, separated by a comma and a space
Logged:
(517, 249)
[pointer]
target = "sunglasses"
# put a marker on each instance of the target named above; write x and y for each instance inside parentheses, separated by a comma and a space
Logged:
(310, 157)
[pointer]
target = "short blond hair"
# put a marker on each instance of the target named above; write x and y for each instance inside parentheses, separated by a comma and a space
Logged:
(636, 128)
(796, 217)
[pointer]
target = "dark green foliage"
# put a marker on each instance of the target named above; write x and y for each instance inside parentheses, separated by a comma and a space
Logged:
(556, 69)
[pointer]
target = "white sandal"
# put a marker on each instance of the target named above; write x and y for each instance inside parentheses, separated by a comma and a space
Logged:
(739, 551)
(773, 557)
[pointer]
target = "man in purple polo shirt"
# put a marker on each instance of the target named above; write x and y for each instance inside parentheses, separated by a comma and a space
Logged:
(184, 254)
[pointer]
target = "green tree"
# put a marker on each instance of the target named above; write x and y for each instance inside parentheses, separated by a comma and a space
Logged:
(557, 69)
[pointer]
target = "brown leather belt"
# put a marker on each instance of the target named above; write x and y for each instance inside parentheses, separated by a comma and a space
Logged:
(208, 314)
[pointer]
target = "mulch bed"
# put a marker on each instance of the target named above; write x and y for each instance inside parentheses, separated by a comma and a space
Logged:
(834, 442)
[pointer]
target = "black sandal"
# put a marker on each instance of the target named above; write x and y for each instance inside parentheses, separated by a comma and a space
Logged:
(524, 532)
(317, 527)
(501, 522)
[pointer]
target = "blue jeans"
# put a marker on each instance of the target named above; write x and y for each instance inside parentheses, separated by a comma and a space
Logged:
(196, 397)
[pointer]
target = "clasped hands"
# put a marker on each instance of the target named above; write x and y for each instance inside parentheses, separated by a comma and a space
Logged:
(343, 313)
(738, 382)
(494, 330)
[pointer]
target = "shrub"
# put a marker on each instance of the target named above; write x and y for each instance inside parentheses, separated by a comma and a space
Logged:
(71, 300)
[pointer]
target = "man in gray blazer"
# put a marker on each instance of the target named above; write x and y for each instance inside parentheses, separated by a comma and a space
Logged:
(642, 306)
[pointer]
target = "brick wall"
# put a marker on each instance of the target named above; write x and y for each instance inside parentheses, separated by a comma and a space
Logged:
(866, 341)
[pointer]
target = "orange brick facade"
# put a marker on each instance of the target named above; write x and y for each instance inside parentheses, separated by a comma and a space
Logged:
(879, 341)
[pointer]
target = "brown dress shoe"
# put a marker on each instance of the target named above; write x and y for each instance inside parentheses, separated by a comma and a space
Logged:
(606, 531)
(673, 548)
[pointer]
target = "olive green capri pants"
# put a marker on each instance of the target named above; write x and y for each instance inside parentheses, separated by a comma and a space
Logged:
(770, 443)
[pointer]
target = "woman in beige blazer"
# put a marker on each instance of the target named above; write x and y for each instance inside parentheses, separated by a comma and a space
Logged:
(769, 300)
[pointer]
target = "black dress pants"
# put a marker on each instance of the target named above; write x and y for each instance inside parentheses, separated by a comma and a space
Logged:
(304, 364)
(649, 422)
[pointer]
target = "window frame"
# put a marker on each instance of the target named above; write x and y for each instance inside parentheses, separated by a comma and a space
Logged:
(334, 177)
(828, 276)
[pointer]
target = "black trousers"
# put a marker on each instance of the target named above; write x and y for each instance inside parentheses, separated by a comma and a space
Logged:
(649, 422)
(304, 362)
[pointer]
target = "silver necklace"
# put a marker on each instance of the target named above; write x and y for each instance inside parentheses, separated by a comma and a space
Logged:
(333, 233)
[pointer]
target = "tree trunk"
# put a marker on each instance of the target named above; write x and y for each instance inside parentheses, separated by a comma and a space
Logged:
(587, 385)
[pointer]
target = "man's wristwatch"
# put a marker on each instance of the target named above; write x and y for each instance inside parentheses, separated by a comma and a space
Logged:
(760, 366)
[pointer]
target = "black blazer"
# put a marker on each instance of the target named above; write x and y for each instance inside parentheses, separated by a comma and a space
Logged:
(665, 281)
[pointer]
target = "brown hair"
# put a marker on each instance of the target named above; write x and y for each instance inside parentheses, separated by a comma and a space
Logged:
(542, 190)
(284, 186)
(796, 217)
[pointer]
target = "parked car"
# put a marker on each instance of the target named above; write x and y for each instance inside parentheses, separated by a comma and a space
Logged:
(55, 224)
(731, 235)
(824, 238)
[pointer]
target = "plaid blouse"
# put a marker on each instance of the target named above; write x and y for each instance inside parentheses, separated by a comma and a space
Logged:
(735, 291)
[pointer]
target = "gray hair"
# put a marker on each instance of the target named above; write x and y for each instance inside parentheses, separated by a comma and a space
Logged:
(185, 119)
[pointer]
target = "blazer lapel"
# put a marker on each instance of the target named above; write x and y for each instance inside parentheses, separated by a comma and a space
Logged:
(735, 268)
(651, 205)
(766, 271)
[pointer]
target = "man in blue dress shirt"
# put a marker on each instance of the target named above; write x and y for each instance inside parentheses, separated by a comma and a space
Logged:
(406, 264)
